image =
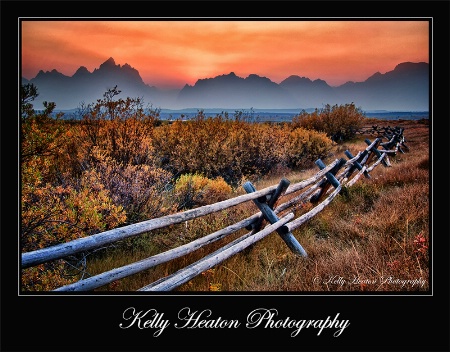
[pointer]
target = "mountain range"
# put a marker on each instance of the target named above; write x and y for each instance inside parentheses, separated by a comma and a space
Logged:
(405, 88)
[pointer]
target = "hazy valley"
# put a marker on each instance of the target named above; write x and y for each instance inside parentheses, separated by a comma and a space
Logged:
(404, 89)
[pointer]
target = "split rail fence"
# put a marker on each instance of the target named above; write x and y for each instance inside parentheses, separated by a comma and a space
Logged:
(319, 189)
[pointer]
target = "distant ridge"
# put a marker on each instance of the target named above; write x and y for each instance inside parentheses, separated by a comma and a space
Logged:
(405, 88)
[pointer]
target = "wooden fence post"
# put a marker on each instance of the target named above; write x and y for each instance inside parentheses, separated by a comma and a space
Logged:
(282, 186)
(331, 180)
(356, 164)
(270, 216)
(395, 140)
(385, 160)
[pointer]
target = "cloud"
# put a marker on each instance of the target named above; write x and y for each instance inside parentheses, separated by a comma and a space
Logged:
(178, 52)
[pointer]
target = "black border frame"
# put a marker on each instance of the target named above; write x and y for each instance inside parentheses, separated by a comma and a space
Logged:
(88, 323)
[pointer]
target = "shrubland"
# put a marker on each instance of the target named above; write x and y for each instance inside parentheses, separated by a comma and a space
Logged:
(118, 164)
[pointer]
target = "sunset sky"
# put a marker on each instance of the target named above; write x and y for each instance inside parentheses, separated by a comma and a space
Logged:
(170, 54)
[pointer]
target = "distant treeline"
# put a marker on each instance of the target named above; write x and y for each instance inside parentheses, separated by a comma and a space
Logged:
(261, 116)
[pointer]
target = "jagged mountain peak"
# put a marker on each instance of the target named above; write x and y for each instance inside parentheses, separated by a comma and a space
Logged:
(294, 79)
(49, 74)
(109, 63)
(254, 77)
(82, 71)
(405, 87)
(230, 76)
(225, 78)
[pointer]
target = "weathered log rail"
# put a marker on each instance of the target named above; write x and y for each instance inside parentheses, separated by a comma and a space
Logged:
(394, 135)
(319, 189)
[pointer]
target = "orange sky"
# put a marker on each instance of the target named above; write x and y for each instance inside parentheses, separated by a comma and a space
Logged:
(173, 53)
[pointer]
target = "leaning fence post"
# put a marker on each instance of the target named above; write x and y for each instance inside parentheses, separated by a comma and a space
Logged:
(282, 186)
(270, 216)
(402, 140)
(331, 180)
(356, 164)
(385, 160)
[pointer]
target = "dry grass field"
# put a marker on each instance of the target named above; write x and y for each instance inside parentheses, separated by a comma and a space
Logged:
(372, 238)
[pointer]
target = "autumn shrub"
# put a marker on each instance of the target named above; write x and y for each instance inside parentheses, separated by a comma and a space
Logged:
(193, 190)
(42, 137)
(55, 207)
(309, 121)
(266, 146)
(233, 149)
(72, 188)
(339, 122)
(180, 148)
(193, 146)
(139, 189)
(53, 214)
(306, 146)
(45, 277)
(123, 128)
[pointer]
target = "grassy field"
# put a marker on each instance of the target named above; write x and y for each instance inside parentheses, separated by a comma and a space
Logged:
(373, 238)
